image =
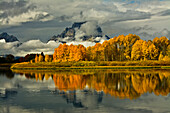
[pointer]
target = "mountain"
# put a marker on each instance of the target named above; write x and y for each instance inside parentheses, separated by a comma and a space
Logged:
(81, 31)
(8, 38)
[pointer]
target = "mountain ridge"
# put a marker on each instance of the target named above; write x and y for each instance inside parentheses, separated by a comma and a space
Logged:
(80, 31)
(7, 37)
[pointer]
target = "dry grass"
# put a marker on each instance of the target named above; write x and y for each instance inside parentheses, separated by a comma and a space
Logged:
(93, 65)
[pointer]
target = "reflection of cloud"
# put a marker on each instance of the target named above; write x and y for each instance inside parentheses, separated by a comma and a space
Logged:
(29, 100)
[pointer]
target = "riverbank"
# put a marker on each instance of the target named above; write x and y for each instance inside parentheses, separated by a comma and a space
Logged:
(5, 66)
(93, 65)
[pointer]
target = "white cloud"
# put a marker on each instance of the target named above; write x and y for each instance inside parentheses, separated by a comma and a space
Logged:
(17, 12)
(26, 17)
(34, 46)
(85, 43)
(114, 16)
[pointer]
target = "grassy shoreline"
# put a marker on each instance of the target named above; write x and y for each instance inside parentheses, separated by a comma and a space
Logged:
(92, 65)
(5, 66)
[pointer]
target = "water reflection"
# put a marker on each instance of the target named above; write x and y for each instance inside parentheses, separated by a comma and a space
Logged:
(129, 84)
(85, 91)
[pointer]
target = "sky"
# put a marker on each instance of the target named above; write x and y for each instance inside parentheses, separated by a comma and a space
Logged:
(42, 19)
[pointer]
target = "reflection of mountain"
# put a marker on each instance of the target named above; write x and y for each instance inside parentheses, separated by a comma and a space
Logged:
(122, 85)
(81, 98)
(4, 93)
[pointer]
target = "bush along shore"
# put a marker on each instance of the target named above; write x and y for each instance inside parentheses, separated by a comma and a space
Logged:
(93, 65)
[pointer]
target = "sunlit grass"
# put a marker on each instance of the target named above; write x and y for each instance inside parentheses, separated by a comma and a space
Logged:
(93, 65)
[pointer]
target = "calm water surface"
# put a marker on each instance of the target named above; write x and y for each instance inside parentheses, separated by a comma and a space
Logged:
(81, 91)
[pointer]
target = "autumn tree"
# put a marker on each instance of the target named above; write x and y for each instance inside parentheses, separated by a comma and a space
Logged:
(89, 53)
(80, 53)
(40, 58)
(128, 42)
(137, 50)
(145, 50)
(125, 45)
(161, 56)
(168, 51)
(98, 52)
(47, 58)
(153, 52)
(36, 58)
(161, 44)
(129, 47)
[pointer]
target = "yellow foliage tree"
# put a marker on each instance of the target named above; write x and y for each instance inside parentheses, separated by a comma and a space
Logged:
(47, 58)
(153, 52)
(40, 58)
(137, 53)
(36, 58)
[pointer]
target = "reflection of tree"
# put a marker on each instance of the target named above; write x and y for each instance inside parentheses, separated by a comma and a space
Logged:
(121, 85)
(8, 73)
(143, 83)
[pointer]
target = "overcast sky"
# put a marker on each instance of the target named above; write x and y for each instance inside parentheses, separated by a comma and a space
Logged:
(41, 19)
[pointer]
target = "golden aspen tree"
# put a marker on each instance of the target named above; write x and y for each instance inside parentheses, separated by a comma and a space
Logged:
(161, 56)
(36, 58)
(136, 53)
(82, 50)
(80, 53)
(65, 52)
(89, 53)
(168, 51)
(145, 50)
(40, 58)
(153, 52)
(106, 50)
(71, 52)
(47, 58)
(76, 55)
(164, 44)
(98, 51)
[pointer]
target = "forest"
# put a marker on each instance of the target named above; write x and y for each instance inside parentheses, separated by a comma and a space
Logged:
(121, 48)
(129, 50)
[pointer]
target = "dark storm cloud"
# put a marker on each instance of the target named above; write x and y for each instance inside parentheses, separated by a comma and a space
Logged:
(15, 8)
(31, 19)
(7, 5)
(164, 13)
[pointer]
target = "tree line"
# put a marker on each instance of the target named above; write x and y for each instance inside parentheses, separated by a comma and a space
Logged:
(121, 48)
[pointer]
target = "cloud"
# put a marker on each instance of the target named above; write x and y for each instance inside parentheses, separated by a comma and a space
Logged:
(15, 8)
(114, 16)
(148, 33)
(17, 12)
(85, 43)
(164, 13)
(91, 28)
(34, 46)
(165, 32)
(7, 48)
(31, 46)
